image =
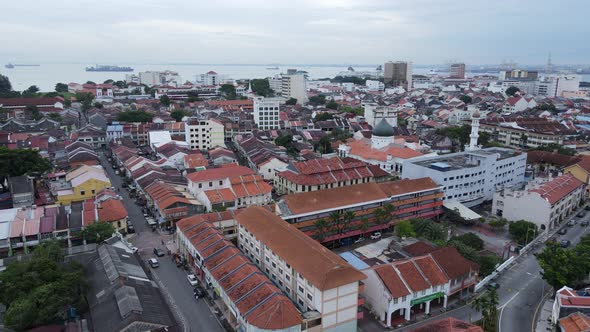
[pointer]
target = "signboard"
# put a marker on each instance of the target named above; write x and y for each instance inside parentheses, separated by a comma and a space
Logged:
(427, 298)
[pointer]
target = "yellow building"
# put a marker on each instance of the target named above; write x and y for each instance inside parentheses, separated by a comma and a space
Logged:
(581, 170)
(80, 184)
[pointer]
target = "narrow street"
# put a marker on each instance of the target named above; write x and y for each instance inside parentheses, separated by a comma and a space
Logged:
(196, 313)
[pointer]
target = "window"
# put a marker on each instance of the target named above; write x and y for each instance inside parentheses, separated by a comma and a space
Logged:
(274, 265)
(82, 192)
(93, 191)
(210, 184)
(310, 297)
(287, 277)
(300, 289)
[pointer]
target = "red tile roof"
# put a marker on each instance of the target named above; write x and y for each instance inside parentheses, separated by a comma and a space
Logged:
(325, 171)
(112, 210)
(219, 173)
(392, 281)
(453, 264)
(419, 248)
(412, 276)
(576, 322)
(558, 188)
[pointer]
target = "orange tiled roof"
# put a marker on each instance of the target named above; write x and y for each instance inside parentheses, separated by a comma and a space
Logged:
(363, 149)
(112, 210)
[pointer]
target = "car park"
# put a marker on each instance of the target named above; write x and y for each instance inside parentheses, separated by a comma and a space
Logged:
(192, 280)
(159, 252)
(376, 235)
(153, 263)
(565, 243)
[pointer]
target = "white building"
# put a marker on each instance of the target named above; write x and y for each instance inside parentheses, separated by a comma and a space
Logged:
(209, 78)
(276, 84)
(151, 78)
(470, 177)
(320, 283)
(374, 113)
(204, 134)
(518, 104)
(555, 86)
(375, 85)
(293, 86)
(546, 203)
(525, 86)
(266, 112)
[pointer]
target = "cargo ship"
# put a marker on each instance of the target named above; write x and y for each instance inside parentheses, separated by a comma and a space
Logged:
(108, 68)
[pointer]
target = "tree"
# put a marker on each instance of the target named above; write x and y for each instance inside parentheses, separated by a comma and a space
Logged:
(511, 91)
(380, 217)
(323, 116)
(562, 267)
(40, 290)
(332, 105)
(31, 91)
(404, 229)
(165, 100)
(487, 264)
(291, 101)
(317, 100)
(364, 225)
(348, 217)
(321, 227)
(429, 229)
(522, 231)
(287, 142)
(98, 232)
(324, 145)
(453, 216)
(228, 91)
(178, 115)
(261, 87)
(470, 239)
(55, 117)
(356, 110)
(33, 112)
(466, 99)
(5, 86)
(498, 224)
(134, 116)
(90, 82)
(22, 161)
(61, 87)
(487, 304)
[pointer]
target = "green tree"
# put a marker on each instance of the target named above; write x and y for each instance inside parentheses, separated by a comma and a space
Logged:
(356, 110)
(5, 86)
(332, 105)
(430, 230)
(404, 229)
(562, 267)
(134, 116)
(261, 87)
(287, 142)
(364, 225)
(498, 224)
(321, 227)
(165, 100)
(466, 99)
(470, 239)
(317, 100)
(31, 91)
(98, 232)
(522, 231)
(178, 115)
(323, 116)
(291, 101)
(61, 87)
(54, 117)
(324, 145)
(228, 91)
(487, 263)
(487, 304)
(348, 217)
(511, 91)
(33, 112)
(22, 161)
(454, 217)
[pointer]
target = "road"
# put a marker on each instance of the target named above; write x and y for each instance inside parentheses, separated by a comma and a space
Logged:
(197, 314)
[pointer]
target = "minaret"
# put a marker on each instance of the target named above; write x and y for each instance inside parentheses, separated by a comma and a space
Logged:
(474, 132)
(549, 65)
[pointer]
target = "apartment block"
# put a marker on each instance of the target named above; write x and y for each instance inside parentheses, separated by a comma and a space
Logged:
(204, 134)
(294, 86)
(324, 287)
(266, 113)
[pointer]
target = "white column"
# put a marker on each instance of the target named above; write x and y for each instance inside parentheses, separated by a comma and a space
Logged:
(445, 302)
(427, 307)
(407, 313)
(389, 313)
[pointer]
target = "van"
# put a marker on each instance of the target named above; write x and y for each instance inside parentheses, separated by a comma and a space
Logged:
(153, 263)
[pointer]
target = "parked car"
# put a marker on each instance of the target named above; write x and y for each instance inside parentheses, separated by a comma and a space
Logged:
(153, 263)
(562, 231)
(159, 252)
(587, 208)
(192, 280)
(565, 243)
(198, 292)
(130, 228)
(572, 223)
(584, 223)
(359, 240)
(493, 285)
(581, 214)
(376, 235)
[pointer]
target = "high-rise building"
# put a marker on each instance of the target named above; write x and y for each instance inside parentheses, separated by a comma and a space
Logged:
(555, 85)
(204, 134)
(457, 70)
(266, 113)
(398, 73)
(293, 86)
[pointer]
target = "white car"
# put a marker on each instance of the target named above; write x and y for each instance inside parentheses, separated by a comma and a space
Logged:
(192, 279)
(376, 235)
(359, 240)
(134, 249)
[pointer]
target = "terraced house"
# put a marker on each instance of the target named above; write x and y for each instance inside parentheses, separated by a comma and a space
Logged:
(352, 211)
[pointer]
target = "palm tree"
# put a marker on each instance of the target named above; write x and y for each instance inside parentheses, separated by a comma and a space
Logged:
(335, 220)
(380, 216)
(389, 209)
(321, 227)
(487, 304)
(364, 226)
(347, 218)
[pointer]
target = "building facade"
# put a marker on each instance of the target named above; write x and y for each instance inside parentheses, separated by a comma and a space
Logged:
(457, 70)
(294, 86)
(204, 134)
(266, 113)
(398, 73)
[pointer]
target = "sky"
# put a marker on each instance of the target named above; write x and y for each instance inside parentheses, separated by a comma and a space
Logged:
(294, 32)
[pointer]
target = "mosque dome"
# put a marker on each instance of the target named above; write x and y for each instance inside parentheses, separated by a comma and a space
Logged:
(383, 129)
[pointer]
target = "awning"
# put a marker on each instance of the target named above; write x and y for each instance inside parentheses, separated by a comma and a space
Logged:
(464, 211)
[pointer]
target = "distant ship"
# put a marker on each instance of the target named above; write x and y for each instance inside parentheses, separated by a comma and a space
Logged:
(273, 68)
(9, 65)
(108, 68)
(380, 68)
(350, 68)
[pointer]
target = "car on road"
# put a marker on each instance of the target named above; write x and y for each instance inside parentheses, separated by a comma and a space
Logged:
(572, 223)
(159, 252)
(581, 214)
(130, 228)
(198, 292)
(359, 240)
(562, 231)
(493, 285)
(565, 243)
(192, 280)
(584, 223)
(376, 235)
(153, 263)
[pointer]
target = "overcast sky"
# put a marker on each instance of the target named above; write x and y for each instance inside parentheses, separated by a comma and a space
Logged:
(303, 32)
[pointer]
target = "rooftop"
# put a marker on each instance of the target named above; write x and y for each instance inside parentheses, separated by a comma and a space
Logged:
(463, 160)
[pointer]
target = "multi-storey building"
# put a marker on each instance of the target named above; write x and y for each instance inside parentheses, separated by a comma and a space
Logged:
(396, 201)
(266, 113)
(204, 134)
(518, 74)
(374, 112)
(373, 85)
(398, 73)
(457, 70)
(276, 84)
(546, 203)
(555, 86)
(470, 177)
(293, 86)
(521, 132)
(322, 285)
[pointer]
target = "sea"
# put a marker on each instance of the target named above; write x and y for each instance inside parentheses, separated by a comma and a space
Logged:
(46, 75)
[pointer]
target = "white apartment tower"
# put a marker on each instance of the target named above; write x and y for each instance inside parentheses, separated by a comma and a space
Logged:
(204, 134)
(293, 86)
(266, 112)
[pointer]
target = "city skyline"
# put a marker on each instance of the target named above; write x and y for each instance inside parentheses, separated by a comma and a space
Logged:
(312, 32)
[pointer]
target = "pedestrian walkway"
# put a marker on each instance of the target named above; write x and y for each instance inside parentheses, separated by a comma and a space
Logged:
(544, 317)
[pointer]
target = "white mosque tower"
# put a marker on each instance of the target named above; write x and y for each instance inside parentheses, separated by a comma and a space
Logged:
(474, 132)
